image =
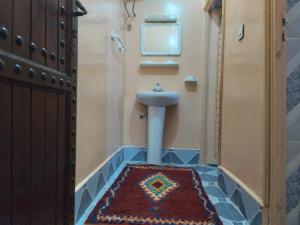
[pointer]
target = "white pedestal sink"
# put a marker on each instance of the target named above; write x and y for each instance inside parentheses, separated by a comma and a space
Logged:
(157, 103)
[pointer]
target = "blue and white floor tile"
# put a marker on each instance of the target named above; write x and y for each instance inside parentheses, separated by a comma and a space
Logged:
(228, 212)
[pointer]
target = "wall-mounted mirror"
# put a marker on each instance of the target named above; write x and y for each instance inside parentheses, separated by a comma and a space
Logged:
(160, 39)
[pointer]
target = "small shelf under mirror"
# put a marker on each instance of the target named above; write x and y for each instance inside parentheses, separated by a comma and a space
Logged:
(168, 63)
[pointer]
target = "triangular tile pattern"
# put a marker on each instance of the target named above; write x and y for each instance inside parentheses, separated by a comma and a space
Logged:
(92, 185)
(167, 158)
(119, 161)
(235, 213)
(104, 171)
(251, 206)
(214, 172)
(194, 160)
(257, 220)
(85, 202)
(205, 169)
(293, 92)
(293, 105)
(78, 197)
(291, 4)
(214, 191)
(221, 184)
(229, 184)
(130, 152)
(85, 195)
(165, 151)
(293, 190)
(114, 161)
(247, 205)
(208, 178)
(236, 198)
(186, 155)
(138, 157)
(101, 182)
(111, 170)
(145, 156)
(223, 211)
(175, 159)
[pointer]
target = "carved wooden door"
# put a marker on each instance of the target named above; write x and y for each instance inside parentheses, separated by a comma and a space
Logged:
(38, 58)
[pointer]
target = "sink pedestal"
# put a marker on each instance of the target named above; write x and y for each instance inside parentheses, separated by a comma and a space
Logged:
(157, 101)
(156, 120)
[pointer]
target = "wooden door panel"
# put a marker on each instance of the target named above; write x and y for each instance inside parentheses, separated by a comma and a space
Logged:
(52, 32)
(5, 152)
(50, 157)
(37, 186)
(21, 146)
(61, 158)
(62, 35)
(21, 28)
(38, 30)
(6, 24)
(38, 68)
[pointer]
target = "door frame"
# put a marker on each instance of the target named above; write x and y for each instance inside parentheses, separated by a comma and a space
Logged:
(214, 157)
(274, 214)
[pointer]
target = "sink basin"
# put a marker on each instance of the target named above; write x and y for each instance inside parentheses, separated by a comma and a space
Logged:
(159, 99)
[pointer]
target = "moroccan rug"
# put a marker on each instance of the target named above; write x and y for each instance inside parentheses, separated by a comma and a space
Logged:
(155, 195)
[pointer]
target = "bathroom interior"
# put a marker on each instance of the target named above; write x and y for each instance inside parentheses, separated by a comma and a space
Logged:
(179, 112)
(212, 115)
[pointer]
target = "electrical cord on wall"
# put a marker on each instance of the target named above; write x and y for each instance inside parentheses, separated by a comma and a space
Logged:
(125, 6)
(129, 17)
(133, 8)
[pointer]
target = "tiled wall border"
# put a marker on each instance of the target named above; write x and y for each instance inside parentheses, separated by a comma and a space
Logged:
(250, 208)
(97, 183)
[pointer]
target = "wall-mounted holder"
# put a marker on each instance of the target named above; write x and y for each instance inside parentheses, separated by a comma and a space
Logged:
(168, 63)
(191, 79)
(116, 37)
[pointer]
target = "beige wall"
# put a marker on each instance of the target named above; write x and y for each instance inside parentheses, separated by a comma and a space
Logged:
(100, 85)
(183, 123)
(244, 94)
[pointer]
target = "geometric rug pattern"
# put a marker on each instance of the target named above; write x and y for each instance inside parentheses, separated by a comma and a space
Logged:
(158, 186)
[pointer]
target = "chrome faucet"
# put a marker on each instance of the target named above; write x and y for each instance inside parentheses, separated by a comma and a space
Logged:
(157, 88)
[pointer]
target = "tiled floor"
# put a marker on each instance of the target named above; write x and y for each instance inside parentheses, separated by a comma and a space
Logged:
(228, 212)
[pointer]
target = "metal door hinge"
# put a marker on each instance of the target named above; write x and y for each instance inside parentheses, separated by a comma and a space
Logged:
(283, 37)
(283, 21)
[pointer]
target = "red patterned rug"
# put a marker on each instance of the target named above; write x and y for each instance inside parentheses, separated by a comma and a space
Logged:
(152, 195)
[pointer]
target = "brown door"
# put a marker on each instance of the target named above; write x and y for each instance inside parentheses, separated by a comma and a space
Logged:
(38, 56)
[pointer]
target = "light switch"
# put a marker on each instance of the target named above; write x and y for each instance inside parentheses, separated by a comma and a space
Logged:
(241, 34)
